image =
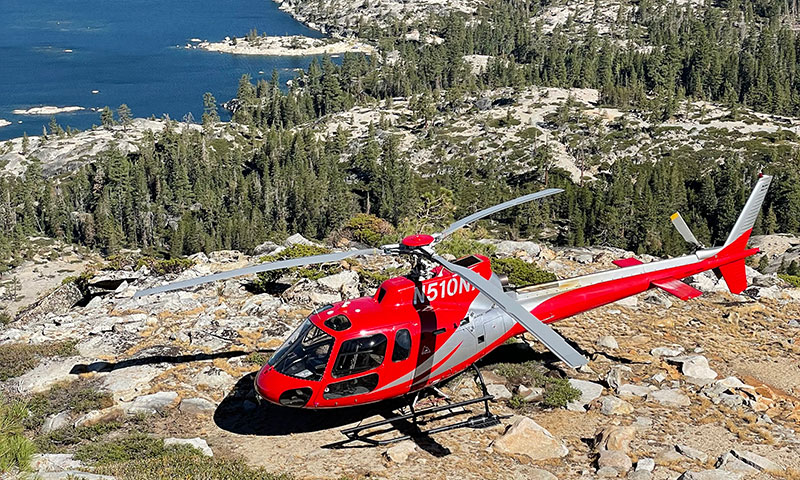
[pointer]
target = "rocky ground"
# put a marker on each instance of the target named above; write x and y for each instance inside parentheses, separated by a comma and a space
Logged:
(703, 389)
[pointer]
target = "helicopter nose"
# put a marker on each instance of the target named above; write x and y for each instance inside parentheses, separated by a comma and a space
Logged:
(272, 387)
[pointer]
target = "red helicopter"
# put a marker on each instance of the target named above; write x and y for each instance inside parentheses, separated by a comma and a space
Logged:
(425, 327)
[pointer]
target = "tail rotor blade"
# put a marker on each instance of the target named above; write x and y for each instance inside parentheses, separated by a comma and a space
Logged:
(552, 340)
(264, 267)
(488, 211)
(684, 229)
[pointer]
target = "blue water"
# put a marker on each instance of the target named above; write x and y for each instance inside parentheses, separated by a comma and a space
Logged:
(132, 52)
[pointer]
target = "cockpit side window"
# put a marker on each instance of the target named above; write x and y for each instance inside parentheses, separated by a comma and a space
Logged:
(359, 355)
(402, 345)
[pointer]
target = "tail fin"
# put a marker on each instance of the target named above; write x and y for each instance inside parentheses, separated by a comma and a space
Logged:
(734, 272)
(744, 225)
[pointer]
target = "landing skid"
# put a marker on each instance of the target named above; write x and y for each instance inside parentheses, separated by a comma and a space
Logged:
(421, 417)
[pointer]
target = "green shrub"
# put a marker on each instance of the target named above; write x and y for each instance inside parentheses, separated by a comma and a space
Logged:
(520, 272)
(139, 457)
(257, 358)
(15, 449)
(60, 440)
(79, 396)
(373, 279)
(5, 318)
(163, 267)
(368, 229)
(266, 280)
(557, 391)
(18, 358)
(792, 280)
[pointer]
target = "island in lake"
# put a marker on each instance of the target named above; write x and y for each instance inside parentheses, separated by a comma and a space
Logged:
(293, 45)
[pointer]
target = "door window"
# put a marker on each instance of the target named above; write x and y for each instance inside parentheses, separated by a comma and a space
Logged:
(353, 386)
(359, 355)
(402, 345)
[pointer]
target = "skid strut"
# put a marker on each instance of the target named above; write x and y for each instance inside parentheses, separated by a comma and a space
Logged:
(483, 420)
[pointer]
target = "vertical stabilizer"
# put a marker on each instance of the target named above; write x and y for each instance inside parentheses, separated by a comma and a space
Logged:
(751, 210)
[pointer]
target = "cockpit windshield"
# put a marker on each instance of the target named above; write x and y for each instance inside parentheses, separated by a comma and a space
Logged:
(305, 354)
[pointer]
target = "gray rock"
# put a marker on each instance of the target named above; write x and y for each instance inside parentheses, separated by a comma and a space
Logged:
(47, 374)
(729, 463)
(669, 398)
(297, 239)
(658, 299)
(728, 399)
(710, 475)
(695, 366)
(630, 390)
(55, 422)
(196, 406)
(630, 302)
(54, 462)
(151, 404)
(757, 461)
(589, 392)
(73, 475)
(607, 341)
(344, 282)
(526, 437)
(197, 442)
(399, 452)
(645, 464)
(692, 453)
(126, 383)
(671, 351)
(615, 459)
(530, 394)
(500, 392)
(112, 280)
(640, 475)
(260, 305)
(615, 406)
(213, 378)
(58, 302)
(225, 256)
(268, 248)
(508, 248)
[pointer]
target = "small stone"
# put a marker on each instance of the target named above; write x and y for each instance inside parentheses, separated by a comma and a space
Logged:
(639, 475)
(607, 341)
(94, 417)
(530, 394)
(671, 351)
(729, 463)
(500, 392)
(645, 464)
(695, 366)
(657, 299)
(399, 453)
(72, 475)
(658, 377)
(614, 459)
(55, 422)
(669, 398)
(196, 406)
(54, 462)
(197, 443)
(615, 376)
(616, 438)
(589, 392)
(525, 437)
(297, 239)
(692, 453)
(615, 406)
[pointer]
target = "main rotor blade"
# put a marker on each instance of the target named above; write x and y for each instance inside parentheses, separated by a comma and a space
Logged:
(488, 211)
(552, 340)
(683, 229)
(264, 267)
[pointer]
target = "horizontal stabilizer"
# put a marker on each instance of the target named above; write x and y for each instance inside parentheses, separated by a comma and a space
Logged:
(626, 262)
(677, 288)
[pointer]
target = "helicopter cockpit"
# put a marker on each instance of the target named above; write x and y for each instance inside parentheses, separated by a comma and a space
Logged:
(304, 354)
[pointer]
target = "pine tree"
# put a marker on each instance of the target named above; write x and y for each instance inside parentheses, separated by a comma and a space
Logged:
(124, 115)
(107, 118)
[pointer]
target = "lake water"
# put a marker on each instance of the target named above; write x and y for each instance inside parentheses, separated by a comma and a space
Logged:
(131, 51)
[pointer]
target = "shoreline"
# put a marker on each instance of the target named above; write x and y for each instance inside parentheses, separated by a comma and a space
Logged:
(47, 110)
(285, 46)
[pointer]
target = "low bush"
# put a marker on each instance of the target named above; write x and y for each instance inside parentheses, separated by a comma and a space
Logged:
(61, 440)
(163, 267)
(792, 280)
(520, 272)
(18, 358)
(78, 396)
(557, 391)
(460, 245)
(139, 457)
(367, 229)
(15, 449)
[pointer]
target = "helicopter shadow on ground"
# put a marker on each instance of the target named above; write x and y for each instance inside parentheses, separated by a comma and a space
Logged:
(240, 414)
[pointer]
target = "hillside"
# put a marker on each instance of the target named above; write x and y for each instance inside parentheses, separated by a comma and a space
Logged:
(180, 365)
